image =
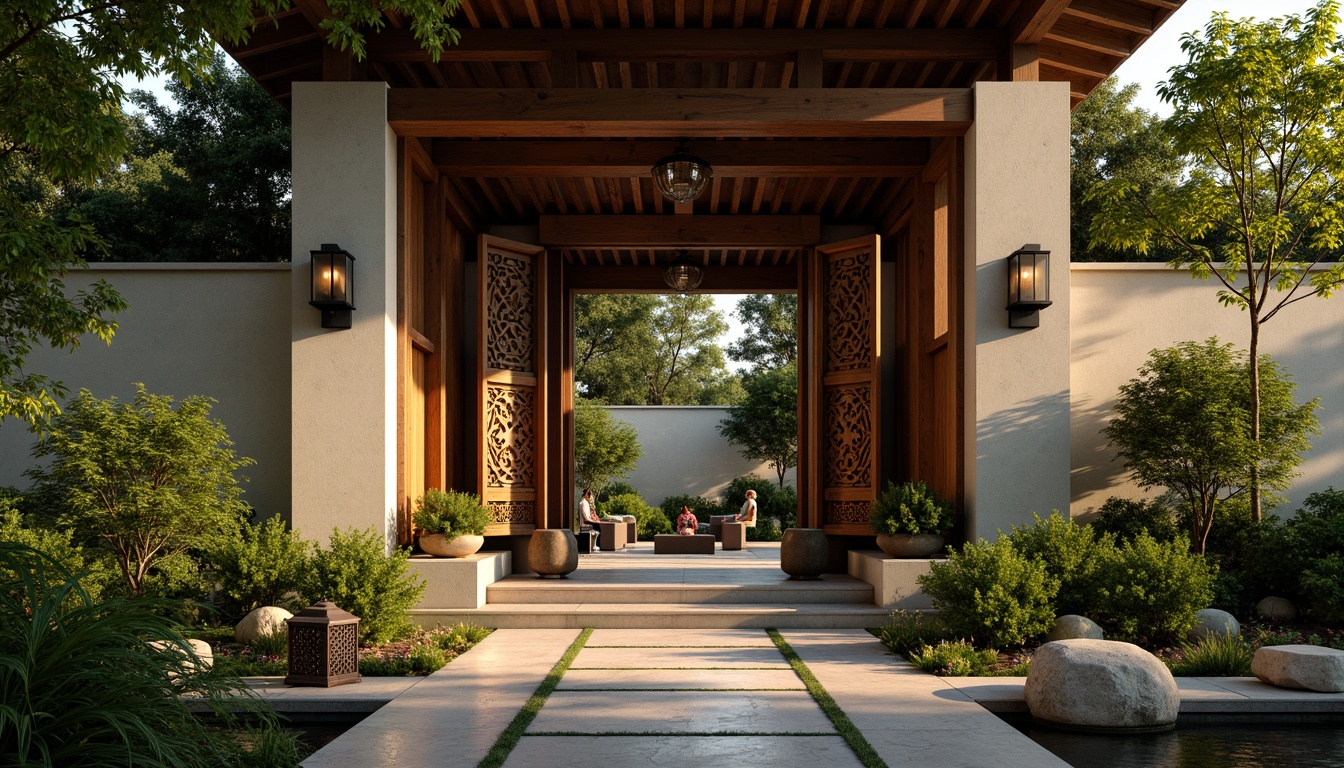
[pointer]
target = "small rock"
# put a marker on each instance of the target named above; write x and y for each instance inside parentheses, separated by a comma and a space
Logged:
(1101, 685)
(1212, 621)
(1276, 609)
(261, 622)
(1309, 667)
(1074, 627)
(204, 655)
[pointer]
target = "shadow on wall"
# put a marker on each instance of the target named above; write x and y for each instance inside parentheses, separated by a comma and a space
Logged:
(1019, 444)
(1094, 465)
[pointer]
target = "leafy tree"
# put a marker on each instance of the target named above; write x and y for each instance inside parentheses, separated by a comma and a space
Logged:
(1257, 118)
(604, 449)
(765, 424)
(686, 357)
(609, 331)
(145, 481)
(1112, 139)
(771, 337)
(1184, 424)
(61, 123)
(223, 155)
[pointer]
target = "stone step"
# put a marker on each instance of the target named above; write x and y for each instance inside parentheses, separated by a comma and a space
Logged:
(832, 590)
(558, 615)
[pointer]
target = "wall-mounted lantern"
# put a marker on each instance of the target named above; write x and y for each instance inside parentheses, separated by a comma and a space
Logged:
(323, 646)
(333, 285)
(1028, 286)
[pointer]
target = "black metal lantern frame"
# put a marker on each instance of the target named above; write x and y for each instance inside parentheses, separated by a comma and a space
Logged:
(681, 176)
(683, 275)
(1028, 286)
(333, 285)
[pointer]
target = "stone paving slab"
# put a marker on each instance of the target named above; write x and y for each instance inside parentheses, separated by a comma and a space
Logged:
(589, 679)
(681, 712)
(682, 752)
(458, 711)
(698, 638)
(678, 658)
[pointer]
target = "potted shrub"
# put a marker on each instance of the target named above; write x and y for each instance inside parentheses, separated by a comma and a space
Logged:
(910, 519)
(452, 524)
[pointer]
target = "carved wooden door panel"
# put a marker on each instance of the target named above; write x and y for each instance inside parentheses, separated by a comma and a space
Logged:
(847, 324)
(510, 460)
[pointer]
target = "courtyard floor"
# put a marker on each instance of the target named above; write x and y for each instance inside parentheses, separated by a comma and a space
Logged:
(673, 698)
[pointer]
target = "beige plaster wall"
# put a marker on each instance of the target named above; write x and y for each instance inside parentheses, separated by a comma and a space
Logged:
(1017, 380)
(344, 382)
(1122, 311)
(220, 330)
(683, 452)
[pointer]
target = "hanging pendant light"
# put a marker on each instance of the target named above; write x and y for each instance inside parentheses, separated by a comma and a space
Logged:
(681, 176)
(683, 275)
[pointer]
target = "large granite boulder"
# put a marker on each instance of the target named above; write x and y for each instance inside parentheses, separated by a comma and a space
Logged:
(1308, 667)
(205, 656)
(1276, 609)
(262, 622)
(1212, 621)
(1071, 626)
(1101, 685)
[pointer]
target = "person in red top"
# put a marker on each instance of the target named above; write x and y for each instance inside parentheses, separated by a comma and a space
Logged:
(686, 522)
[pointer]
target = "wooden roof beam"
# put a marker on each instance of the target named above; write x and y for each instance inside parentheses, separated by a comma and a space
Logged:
(1034, 19)
(632, 159)
(637, 45)
(693, 231)
(662, 113)
(1126, 17)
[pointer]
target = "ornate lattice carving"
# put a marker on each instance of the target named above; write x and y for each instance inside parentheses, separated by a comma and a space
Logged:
(307, 651)
(509, 312)
(510, 430)
(344, 649)
(524, 512)
(849, 312)
(848, 511)
(849, 436)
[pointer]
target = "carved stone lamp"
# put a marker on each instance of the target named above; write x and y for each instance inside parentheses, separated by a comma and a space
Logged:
(1028, 286)
(323, 646)
(333, 285)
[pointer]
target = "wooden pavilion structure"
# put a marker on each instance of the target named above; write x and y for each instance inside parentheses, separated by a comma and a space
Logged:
(850, 143)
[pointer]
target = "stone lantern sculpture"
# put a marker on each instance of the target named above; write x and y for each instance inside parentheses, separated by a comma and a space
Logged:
(323, 646)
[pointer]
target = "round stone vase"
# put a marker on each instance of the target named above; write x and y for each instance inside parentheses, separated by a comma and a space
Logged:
(802, 553)
(439, 545)
(553, 552)
(910, 544)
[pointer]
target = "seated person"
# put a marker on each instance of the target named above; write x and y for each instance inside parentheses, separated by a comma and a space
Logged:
(747, 515)
(686, 522)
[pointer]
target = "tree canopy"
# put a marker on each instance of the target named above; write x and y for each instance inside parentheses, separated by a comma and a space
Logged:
(765, 424)
(1258, 113)
(770, 339)
(604, 449)
(1185, 424)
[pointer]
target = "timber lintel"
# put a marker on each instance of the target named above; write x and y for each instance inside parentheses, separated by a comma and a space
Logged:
(686, 231)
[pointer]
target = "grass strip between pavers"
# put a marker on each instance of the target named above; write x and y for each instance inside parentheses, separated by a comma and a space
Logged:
(509, 738)
(862, 749)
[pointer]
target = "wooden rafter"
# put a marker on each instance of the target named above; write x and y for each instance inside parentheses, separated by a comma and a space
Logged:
(1034, 19)
(679, 231)
(647, 112)
(632, 159)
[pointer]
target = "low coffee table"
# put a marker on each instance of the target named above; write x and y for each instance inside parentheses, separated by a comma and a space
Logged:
(676, 544)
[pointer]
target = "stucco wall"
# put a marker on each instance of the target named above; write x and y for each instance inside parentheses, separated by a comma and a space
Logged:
(684, 453)
(219, 330)
(1017, 380)
(1122, 311)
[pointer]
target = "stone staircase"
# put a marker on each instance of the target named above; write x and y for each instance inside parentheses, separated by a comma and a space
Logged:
(635, 589)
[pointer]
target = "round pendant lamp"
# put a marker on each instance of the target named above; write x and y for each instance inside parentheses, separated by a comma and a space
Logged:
(681, 176)
(683, 275)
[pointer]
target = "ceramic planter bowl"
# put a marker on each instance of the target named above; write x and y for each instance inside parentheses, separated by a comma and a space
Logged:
(910, 544)
(439, 545)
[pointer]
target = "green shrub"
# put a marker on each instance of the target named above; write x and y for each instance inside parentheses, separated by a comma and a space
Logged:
(83, 685)
(1127, 518)
(1072, 555)
(274, 644)
(1323, 586)
(648, 521)
(954, 658)
(459, 638)
(1314, 538)
(1151, 590)
(419, 660)
(765, 530)
(910, 508)
(265, 565)
(1215, 656)
(992, 594)
(358, 576)
(771, 500)
(451, 513)
(94, 574)
(906, 632)
(616, 488)
(702, 508)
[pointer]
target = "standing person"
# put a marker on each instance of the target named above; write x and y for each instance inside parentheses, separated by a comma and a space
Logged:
(686, 522)
(747, 514)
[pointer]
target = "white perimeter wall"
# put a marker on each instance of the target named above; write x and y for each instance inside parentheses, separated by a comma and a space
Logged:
(1122, 311)
(684, 452)
(220, 330)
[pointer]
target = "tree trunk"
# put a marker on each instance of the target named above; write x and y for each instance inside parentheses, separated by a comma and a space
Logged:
(1254, 366)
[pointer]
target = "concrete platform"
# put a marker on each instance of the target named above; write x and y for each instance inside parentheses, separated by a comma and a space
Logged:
(459, 582)
(894, 580)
